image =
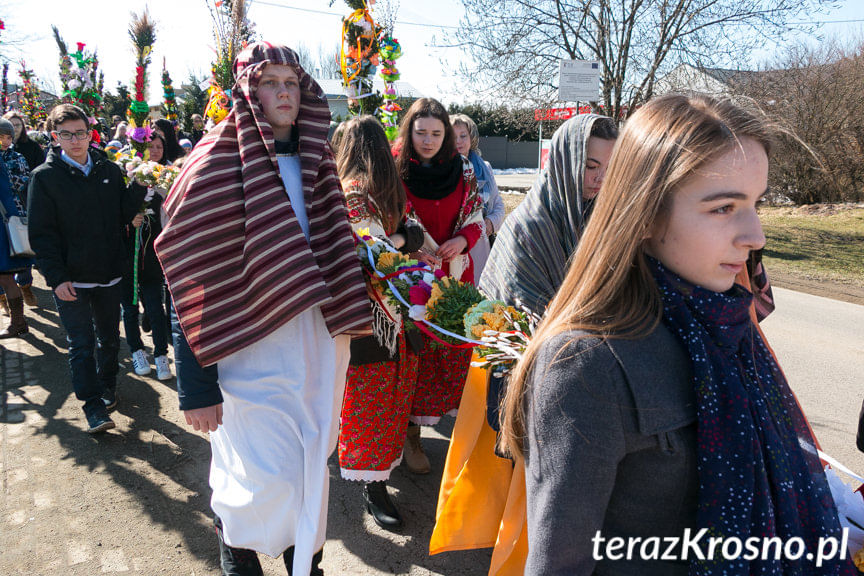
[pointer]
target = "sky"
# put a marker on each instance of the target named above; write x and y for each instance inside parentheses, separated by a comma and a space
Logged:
(184, 36)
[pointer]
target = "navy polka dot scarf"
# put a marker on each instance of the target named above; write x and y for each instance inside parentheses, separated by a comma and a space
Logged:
(759, 473)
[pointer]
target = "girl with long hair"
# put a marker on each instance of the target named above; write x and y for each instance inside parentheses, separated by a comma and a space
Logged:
(120, 133)
(383, 367)
(648, 402)
(442, 196)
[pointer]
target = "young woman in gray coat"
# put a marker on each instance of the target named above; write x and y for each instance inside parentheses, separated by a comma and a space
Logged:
(658, 433)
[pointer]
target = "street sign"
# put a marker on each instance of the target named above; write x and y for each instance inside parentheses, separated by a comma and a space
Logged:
(554, 113)
(579, 80)
(542, 114)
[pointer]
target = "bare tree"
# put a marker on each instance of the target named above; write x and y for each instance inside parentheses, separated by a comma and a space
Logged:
(814, 94)
(516, 45)
(319, 61)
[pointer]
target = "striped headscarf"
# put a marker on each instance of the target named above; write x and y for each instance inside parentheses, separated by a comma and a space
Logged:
(529, 259)
(235, 258)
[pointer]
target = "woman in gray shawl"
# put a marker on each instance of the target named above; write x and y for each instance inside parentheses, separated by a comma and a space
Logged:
(529, 259)
(528, 263)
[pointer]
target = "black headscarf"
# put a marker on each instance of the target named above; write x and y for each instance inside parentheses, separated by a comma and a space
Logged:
(173, 150)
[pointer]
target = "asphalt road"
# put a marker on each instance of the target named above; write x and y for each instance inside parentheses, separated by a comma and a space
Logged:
(135, 501)
(820, 345)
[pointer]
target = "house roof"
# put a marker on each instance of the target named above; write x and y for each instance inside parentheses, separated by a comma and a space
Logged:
(727, 75)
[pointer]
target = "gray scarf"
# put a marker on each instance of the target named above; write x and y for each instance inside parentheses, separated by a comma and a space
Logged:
(529, 259)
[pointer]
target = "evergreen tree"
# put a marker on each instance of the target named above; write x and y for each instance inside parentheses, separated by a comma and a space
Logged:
(194, 101)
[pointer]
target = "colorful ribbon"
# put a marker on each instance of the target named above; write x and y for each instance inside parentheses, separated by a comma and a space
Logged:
(421, 324)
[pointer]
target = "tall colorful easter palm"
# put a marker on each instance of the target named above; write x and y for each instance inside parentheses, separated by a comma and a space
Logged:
(142, 32)
(232, 31)
(389, 51)
(359, 56)
(31, 100)
(169, 104)
(79, 77)
(4, 91)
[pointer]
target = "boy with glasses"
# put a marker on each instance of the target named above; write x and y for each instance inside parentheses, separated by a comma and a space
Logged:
(78, 206)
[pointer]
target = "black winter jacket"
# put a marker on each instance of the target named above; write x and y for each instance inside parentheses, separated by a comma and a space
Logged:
(76, 222)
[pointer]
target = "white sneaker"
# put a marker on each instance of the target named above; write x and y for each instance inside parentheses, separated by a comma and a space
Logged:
(140, 363)
(163, 370)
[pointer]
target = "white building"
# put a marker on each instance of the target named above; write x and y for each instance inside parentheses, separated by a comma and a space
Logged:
(713, 81)
(339, 102)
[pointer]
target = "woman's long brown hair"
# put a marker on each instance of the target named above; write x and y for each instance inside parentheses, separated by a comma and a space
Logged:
(423, 108)
(364, 155)
(609, 291)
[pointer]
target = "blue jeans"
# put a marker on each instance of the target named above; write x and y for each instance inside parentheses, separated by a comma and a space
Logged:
(92, 323)
(151, 297)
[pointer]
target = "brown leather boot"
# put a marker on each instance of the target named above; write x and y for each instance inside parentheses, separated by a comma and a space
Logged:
(29, 297)
(4, 305)
(17, 325)
(415, 456)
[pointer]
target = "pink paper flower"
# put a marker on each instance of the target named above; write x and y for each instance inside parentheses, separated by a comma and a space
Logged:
(417, 296)
(141, 134)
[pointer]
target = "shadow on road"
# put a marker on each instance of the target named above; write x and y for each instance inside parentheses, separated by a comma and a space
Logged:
(143, 457)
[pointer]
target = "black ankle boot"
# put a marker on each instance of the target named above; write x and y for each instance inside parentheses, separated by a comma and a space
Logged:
(236, 561)
(288, 558)
(379, 505)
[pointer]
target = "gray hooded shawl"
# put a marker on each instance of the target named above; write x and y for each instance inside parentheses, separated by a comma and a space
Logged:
(530, 256)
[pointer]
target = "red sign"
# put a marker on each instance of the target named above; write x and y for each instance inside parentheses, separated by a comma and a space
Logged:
(544, 152)
(541, 114)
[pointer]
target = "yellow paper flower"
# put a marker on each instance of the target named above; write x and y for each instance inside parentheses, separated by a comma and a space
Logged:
(365, 236)
(495, 321)
(389, 261)
(858, 559)
(478, 329)
(436, 294)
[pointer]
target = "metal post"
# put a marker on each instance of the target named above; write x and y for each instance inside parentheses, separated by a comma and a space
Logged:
(540, 148)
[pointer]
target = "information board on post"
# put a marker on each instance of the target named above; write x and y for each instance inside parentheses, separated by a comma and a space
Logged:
(579, 80)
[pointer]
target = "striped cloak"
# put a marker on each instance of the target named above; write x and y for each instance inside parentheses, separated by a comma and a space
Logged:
(235, 258)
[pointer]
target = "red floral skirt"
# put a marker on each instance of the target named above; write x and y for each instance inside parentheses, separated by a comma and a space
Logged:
(375, 416)
(440, 381)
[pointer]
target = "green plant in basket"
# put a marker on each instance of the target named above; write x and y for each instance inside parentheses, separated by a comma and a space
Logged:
(447, 305)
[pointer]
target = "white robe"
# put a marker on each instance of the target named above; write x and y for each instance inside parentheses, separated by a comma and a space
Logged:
(280, 422)
(282, 398)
